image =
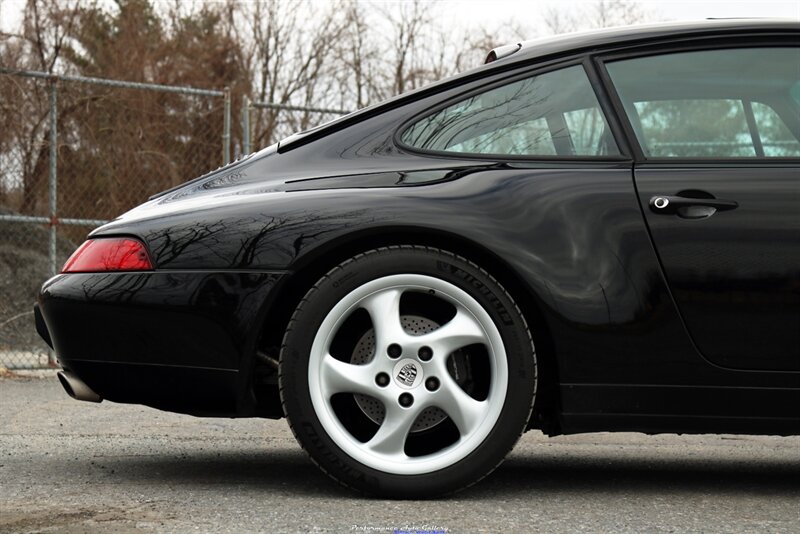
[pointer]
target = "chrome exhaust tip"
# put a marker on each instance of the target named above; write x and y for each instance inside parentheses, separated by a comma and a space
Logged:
(77, 388)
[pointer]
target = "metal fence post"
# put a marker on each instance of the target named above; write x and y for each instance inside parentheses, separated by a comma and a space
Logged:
(226, 129)
(53, 183)
(53, 187)
(245, 126)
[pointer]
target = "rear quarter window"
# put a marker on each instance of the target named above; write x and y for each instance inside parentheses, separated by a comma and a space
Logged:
(552, 114)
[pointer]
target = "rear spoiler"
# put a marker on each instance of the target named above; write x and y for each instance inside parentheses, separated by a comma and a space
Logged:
(502, 51)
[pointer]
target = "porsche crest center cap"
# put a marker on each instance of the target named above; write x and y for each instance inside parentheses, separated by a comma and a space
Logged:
(408, 373)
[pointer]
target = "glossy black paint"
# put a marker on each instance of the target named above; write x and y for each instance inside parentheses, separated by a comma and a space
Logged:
(171, 339)
(573, 241)
(734, 273)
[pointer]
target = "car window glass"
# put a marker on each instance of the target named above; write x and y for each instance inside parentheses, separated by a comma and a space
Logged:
(529, 137)
(553, 114)
(776, 137)
(795, 92)
(728, 103)
(588, 131)
(694, 128)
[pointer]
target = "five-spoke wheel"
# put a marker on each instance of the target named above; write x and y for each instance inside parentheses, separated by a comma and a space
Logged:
(396, 372)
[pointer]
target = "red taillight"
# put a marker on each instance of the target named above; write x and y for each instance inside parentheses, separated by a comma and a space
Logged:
(109, 254)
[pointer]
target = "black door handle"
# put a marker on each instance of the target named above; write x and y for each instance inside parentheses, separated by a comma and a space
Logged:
(690, 208)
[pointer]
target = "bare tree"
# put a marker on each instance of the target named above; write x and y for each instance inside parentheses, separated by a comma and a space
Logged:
(609, 13)
(45, 28)
(560, 18)
(408, 23)
(557, 20)
(291, 57)
(357, 54)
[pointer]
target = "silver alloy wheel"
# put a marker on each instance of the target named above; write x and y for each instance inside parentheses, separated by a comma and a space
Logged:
(328, 376)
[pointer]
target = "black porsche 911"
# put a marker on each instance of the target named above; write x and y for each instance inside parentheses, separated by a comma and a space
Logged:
(598, 232)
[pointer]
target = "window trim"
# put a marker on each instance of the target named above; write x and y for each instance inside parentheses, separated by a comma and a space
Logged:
(517, 75)
(602, 58)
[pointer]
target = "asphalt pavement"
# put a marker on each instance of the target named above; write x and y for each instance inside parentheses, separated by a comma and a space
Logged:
(74, 467)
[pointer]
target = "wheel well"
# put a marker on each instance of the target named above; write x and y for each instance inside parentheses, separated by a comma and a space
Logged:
(306, 275)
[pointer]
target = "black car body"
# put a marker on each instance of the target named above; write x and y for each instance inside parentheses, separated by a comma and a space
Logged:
(662, 291)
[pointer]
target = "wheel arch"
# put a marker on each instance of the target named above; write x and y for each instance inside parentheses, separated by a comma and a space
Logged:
(313, 264)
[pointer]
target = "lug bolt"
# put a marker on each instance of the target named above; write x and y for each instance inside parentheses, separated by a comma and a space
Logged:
(425, 354)
(394, 350)
(406, 400)
(432, 383)
(382, 379)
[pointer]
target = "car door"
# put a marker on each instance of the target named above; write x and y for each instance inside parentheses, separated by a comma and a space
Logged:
(718, 180)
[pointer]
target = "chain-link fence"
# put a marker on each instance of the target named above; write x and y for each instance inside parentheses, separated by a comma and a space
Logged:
(263, 123)
(77, 151)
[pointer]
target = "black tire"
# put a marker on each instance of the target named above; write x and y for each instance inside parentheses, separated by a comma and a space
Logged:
(354, 273)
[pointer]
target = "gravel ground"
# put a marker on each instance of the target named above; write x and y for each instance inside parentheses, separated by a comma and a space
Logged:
(67, 466)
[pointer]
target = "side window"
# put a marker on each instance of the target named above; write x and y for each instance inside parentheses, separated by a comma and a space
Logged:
(730, 103)
(588, 131)
(553, 114)
(694, 128)
(776, 138)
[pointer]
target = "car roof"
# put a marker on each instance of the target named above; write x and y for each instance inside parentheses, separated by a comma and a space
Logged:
(611, 37)
(554, 46)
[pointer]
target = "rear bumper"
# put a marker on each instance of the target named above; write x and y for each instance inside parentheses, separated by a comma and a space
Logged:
(179, 341)
(41, 326)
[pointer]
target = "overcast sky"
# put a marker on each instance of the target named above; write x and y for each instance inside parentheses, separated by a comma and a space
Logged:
(481, 11)
(686, 9)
